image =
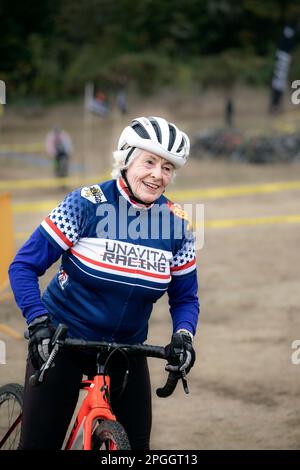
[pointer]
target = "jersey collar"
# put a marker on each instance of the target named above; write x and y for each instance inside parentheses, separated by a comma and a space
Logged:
(124, 192)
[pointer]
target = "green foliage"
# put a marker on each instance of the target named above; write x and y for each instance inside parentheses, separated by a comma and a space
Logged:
(51, 48)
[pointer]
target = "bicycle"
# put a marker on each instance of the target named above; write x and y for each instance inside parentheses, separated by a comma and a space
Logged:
(95, 426)
(11, 402)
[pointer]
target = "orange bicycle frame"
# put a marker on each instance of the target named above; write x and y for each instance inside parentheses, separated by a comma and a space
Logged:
(94, 406)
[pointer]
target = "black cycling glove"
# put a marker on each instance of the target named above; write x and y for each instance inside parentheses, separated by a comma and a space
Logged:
(40, 334)
(181, 353)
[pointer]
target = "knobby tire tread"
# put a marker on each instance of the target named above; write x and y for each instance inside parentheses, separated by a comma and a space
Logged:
(111, 430)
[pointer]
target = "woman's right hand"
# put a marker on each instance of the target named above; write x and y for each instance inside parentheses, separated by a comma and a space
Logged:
(40, 334)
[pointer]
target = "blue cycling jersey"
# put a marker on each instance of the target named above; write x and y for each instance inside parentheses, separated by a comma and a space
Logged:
(117, 259)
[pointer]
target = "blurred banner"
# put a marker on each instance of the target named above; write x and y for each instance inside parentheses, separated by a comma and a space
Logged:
(2, 93)
(281, 67)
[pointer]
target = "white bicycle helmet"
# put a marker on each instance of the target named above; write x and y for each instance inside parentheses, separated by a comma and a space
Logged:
(157, 136)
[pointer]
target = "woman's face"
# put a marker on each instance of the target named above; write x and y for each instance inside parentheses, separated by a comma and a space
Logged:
(148, 176)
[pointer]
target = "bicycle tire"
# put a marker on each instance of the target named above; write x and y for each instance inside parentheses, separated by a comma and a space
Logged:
(11, 404)
(110, 435)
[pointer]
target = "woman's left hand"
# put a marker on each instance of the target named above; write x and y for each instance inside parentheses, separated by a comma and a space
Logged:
(181, 353)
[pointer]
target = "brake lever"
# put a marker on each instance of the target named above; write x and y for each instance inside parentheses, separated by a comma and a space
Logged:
(184, 383)
(171, 383)
(38, 377)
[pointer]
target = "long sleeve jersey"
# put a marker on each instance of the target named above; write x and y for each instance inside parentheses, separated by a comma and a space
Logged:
(117, 259)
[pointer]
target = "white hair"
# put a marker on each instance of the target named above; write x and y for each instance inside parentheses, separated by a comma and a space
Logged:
(119, 157)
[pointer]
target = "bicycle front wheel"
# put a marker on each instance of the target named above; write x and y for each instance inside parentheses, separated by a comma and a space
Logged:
(11, 403)
(110, 435)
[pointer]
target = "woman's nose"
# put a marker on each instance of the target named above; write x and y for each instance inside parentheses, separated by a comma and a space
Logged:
(156, 172)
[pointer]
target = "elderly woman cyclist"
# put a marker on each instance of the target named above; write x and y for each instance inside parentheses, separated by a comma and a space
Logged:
(122, 245)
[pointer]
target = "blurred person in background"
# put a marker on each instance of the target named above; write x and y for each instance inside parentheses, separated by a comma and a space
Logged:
(229, 111)
(122, 101)
(99, 104)
(59, 146)
(108, 282)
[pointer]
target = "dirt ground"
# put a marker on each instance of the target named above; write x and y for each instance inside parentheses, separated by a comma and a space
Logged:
(243, 388)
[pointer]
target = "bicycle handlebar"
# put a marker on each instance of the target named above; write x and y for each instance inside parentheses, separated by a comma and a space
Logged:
(59, 341)
(135, 349)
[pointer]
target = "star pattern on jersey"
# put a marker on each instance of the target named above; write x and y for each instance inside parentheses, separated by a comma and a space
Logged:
(66, 217)
(184, 255)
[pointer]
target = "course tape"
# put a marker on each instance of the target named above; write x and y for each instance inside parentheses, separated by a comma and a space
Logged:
(180, 195)
(72, 181)
(275, 219)
(32, 147)
(10, 331)
(233, 191)
(38, 160)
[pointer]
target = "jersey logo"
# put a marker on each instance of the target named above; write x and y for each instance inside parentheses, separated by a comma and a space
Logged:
(93, 194)
(63, 278)
(177, 210)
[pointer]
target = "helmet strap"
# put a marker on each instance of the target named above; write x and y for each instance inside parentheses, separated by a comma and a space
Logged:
(129, 154)
(131, 195)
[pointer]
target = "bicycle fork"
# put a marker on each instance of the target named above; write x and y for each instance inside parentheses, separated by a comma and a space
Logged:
(96, 405)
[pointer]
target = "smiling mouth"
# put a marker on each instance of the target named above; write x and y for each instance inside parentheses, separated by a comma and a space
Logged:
(152, 186)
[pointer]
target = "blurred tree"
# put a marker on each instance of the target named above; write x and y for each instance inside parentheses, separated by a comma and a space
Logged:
(18, 21)
(69, 42)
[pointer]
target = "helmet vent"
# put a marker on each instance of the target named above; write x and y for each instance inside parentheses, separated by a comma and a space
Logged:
(157, 129)
(140, 130)
(172, 136)
(181, 145)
